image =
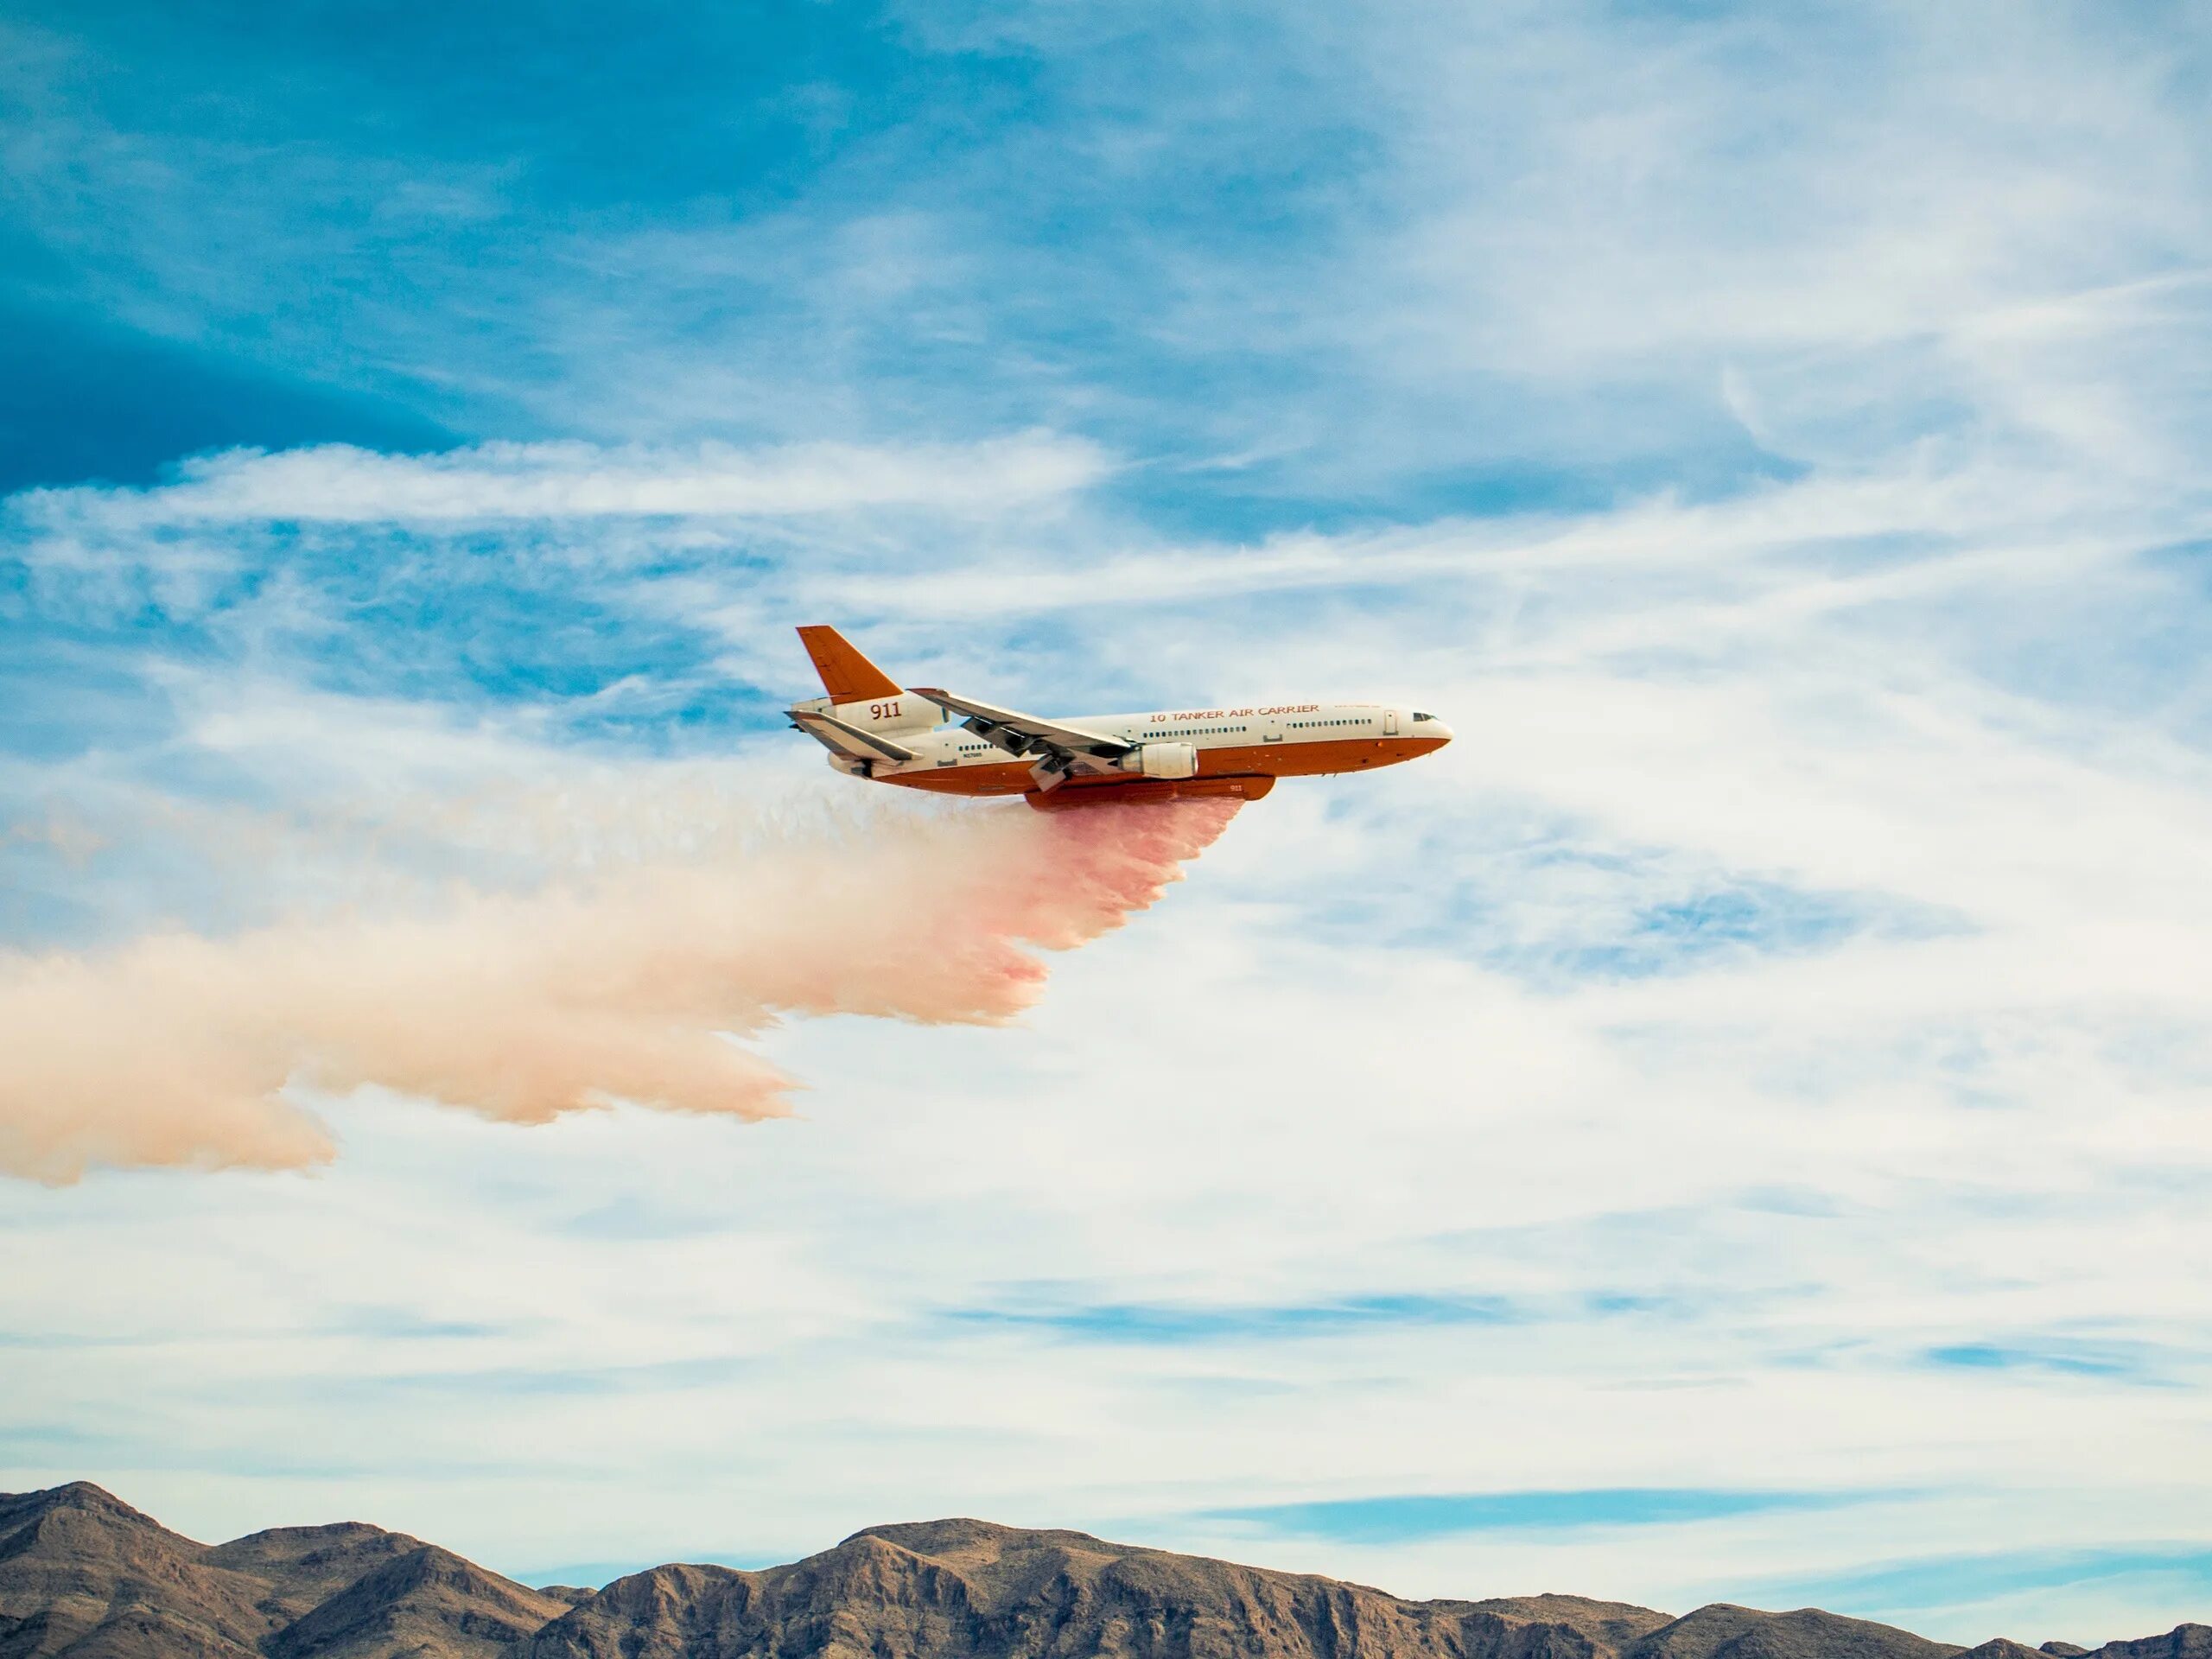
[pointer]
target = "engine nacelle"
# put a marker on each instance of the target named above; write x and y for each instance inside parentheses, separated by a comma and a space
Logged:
(1163, 761)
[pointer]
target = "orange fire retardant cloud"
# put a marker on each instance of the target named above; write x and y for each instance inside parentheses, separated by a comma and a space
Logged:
(174, 1049)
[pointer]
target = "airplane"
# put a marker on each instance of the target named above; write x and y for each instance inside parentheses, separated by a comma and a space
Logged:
(876, 728)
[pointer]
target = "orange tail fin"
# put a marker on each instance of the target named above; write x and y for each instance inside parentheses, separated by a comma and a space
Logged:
(846, 676)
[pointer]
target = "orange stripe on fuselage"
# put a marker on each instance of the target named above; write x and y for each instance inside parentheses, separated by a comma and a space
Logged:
(1247, 760)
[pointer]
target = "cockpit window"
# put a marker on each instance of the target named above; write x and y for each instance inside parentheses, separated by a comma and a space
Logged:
(1419, 715)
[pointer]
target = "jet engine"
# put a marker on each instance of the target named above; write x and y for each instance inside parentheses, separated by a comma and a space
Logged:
(1163, 761)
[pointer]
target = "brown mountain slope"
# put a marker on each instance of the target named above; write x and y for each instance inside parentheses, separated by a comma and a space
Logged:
(1612, 1626)
(85, 1576)
(83, 1573)
(1721, 1632)
(1022, 1572)
(2183, 1642)
(429, 1601)
(970, 1590)
(307, 1566)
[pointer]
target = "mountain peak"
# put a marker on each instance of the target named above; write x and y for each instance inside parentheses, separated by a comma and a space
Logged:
(75, 1495)
(1802, 1633)
(958, 1534)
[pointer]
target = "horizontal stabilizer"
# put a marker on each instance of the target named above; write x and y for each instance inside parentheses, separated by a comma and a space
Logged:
(847, 739)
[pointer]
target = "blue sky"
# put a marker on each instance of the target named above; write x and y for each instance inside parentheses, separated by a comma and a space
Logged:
(1731, 1128)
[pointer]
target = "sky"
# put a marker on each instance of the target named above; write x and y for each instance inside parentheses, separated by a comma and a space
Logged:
(1734, 1126)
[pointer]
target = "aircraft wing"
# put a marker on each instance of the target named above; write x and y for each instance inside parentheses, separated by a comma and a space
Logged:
(1019, 733)
(1059, 748)
(846, 738)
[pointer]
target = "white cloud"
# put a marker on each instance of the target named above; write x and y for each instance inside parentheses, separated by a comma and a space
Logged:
(338, 483)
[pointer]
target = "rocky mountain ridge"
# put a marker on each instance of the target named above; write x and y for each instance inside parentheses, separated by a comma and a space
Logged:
(83, 1574)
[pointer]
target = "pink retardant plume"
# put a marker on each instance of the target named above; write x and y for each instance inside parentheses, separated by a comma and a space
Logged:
(174, 1049)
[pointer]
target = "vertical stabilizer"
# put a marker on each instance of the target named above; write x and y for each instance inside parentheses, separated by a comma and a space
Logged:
(846, 676)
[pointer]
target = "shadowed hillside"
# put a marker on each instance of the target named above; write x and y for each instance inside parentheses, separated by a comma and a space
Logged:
(86, 1575)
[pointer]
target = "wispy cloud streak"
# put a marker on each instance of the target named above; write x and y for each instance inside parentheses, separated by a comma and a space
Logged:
(1400, 1518)
(340, 484)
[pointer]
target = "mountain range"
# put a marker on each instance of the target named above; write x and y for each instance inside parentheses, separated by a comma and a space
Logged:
(83, 1574)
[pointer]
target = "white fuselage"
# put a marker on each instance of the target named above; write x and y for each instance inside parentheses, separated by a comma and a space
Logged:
(1257, 739)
